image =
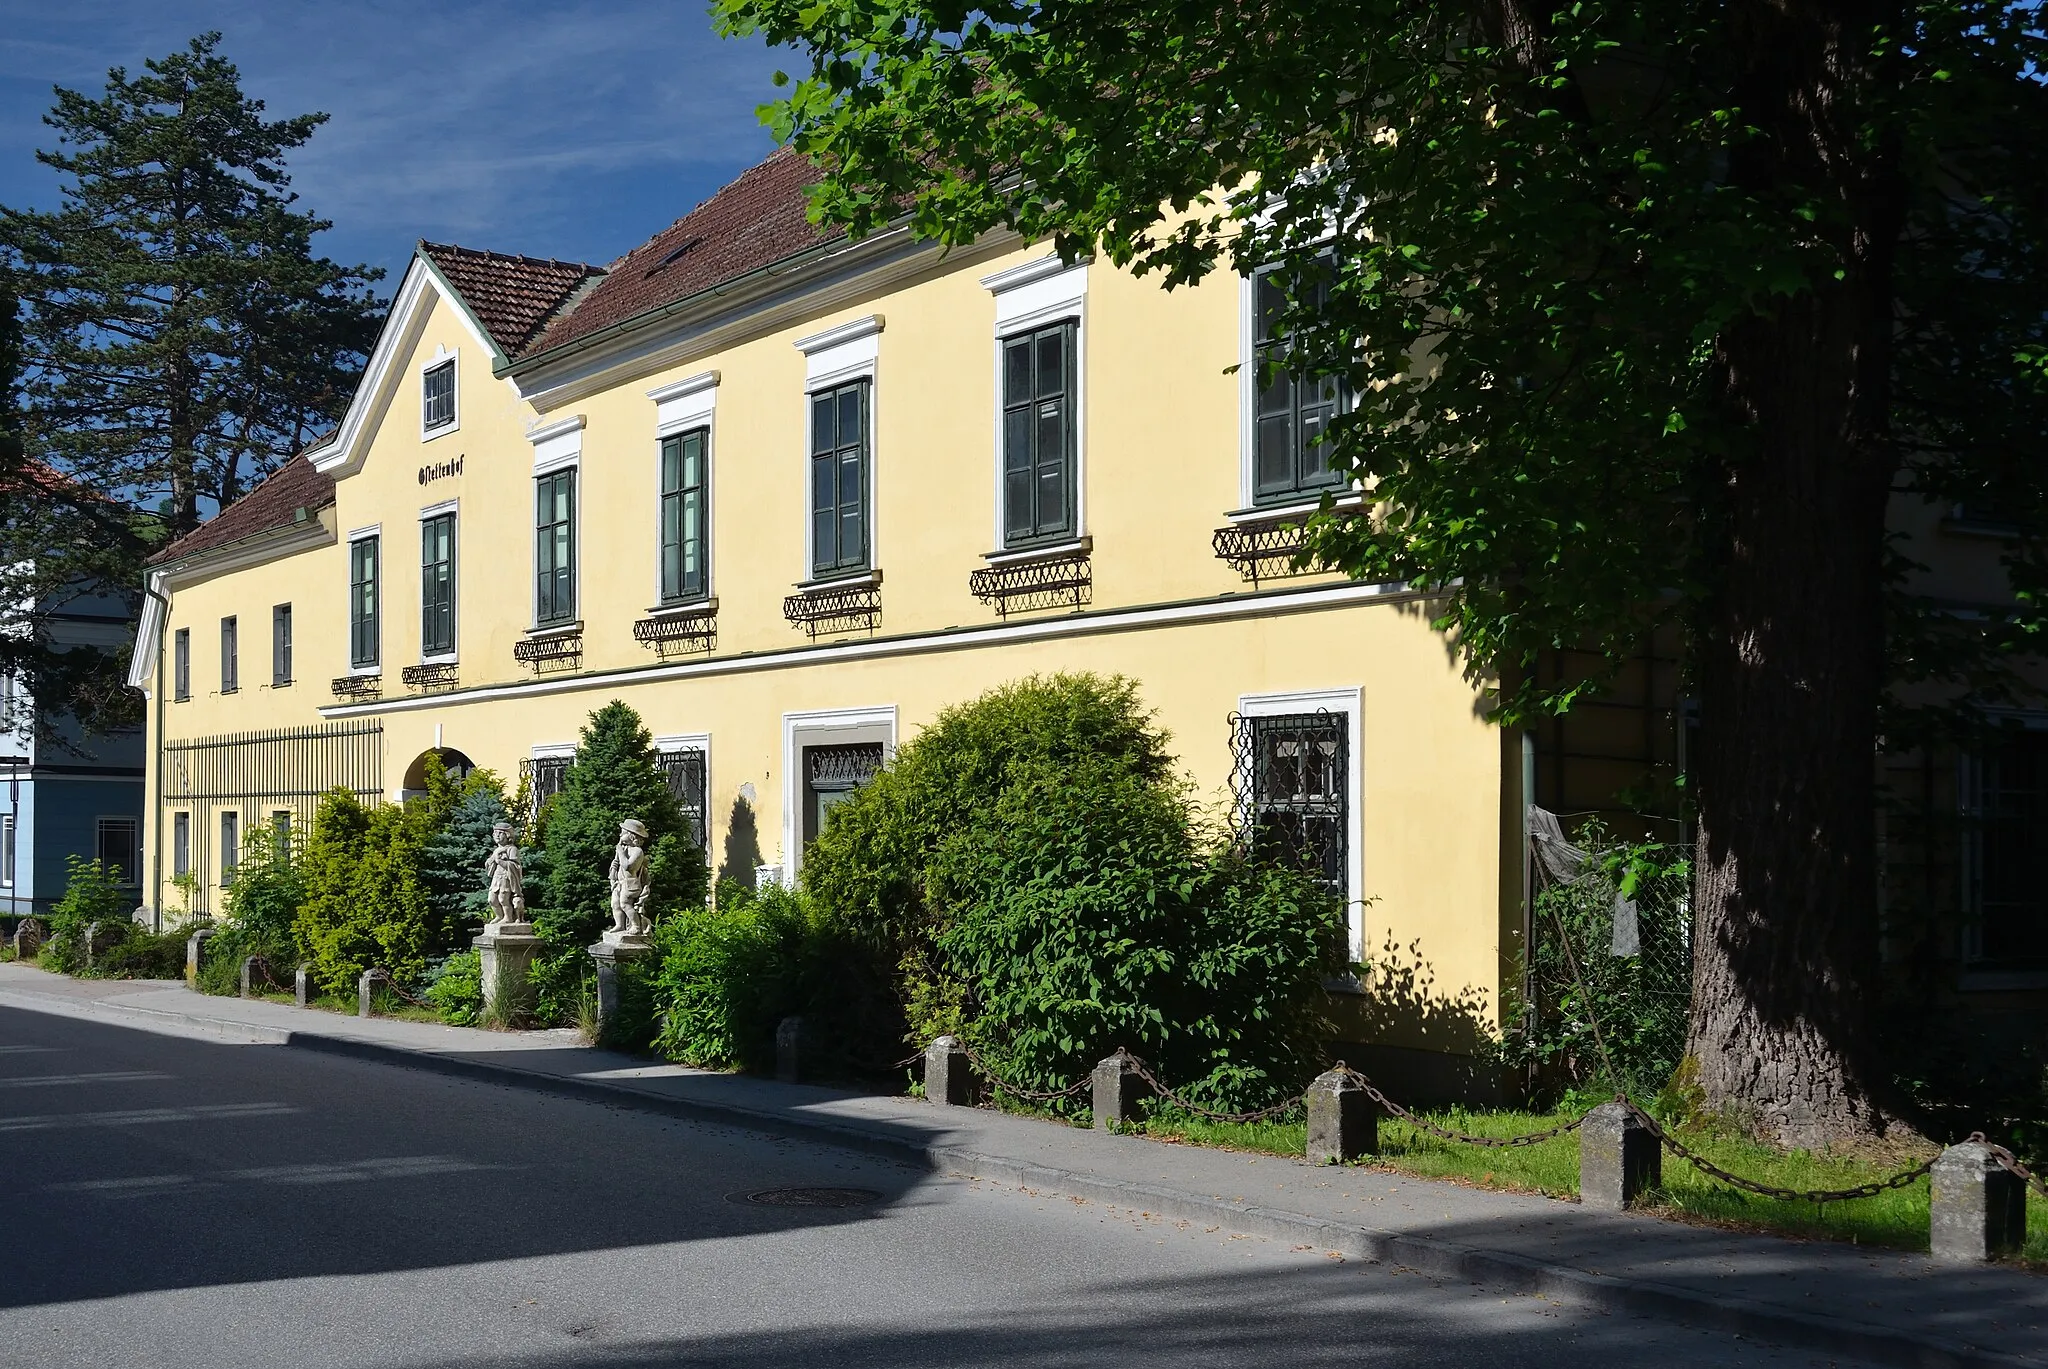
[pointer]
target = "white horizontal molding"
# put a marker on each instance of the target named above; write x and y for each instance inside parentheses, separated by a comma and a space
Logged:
(1221, 609)
(1036, 289)
(839, 352)
(687, 401)
(436, 510)
(556, 444)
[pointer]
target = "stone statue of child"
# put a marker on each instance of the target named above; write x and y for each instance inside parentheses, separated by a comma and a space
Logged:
(507, 890)
(629, 880)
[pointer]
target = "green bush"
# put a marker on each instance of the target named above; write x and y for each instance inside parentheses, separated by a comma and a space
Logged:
(456, 989)
(142, 954)
(258, 911)
(92, 894)
(727, 975)
(1035, 870)
(366, 898)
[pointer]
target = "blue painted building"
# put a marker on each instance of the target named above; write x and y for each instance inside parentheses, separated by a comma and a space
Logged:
(63, 793)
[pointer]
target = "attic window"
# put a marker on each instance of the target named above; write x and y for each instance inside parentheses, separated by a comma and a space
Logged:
(678, 252)
(437, 396)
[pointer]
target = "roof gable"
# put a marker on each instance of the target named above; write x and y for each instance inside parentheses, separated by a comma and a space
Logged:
(512, 297)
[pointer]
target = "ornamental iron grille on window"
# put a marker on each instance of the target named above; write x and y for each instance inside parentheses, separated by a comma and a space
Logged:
(556, 651)
(684, 771)
(544, 776)
(1268, 549)
(834, 608)
(1293, 791)
(1042, 582)
(831, 774)
(676, 634)
(358, 687)
(428, 678)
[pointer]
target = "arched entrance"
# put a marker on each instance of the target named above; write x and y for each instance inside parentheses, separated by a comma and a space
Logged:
(454, 762)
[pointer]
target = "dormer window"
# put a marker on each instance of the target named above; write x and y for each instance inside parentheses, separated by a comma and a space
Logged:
(437, 397)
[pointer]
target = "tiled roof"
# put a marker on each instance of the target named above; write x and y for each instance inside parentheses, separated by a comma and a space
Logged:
(754, 221)
(511, 296)
(271, 505)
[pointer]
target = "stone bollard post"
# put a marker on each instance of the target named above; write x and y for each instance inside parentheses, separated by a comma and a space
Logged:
(366, 990)
(1977, 1209)
(946, 1077)
(1343, 1120)
(1619, 1158)
(302, 986)
(789, 1049)
(249, 963)
(195, 948)
(28, 938)
(1116, 1090)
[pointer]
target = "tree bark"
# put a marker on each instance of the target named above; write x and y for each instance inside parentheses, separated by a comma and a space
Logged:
(1790, 648)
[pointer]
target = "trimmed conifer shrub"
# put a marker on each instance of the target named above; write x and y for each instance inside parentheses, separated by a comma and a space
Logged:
(613, 777)
(452, 863)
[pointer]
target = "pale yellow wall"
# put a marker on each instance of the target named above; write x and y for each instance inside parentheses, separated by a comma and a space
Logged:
(1161, 474)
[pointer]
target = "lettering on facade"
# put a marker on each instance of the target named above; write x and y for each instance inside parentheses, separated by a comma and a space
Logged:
(440, 470)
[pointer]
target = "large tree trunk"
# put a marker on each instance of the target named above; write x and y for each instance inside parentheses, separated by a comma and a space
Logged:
(1790, 649)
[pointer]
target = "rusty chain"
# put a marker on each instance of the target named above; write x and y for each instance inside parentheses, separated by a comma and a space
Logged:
(392, 984)
(1028, 1095)
(1793, 1195)
(1159, 1087)
(270, 975)
(2010, 1163)
(1424, 1124)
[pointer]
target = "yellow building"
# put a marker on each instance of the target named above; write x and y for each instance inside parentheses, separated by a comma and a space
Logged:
(789, 496)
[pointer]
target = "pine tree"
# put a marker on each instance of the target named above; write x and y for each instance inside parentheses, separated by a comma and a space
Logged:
(179, 336)
(325, 928)
(614, 777)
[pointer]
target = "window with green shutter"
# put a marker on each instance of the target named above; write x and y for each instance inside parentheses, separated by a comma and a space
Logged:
(839, 480)
(362, 602)
(437, 585)
(554, 548)
(1038, 435)
(684, 482)
(1293, 410)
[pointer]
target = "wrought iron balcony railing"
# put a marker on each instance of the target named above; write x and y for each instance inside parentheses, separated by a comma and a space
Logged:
(1266, 550)
(441, 675)
(557, 651)
(1058, 579)
(680, 631)
(358, 686)
(835, 608)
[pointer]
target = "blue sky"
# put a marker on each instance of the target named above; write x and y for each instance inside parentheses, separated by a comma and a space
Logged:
(572, 130)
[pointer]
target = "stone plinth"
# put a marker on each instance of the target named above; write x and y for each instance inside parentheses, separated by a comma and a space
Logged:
(1978, 1209)
(789, 1050)
(615, 949)
(946, 1076)
(1343, 1120)
(1117, 1089)
(505, 956)
(1619, 1158)
(195, 948)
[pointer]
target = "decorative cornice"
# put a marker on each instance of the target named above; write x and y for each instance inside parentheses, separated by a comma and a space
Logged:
(844, 333)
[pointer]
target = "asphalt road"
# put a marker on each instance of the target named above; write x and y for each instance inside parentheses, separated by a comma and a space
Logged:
(182, 1202)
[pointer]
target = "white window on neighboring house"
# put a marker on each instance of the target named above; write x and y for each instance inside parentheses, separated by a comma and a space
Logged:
(7, 850)
(118, 848)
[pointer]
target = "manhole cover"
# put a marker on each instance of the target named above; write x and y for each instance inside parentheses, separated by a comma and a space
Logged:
(811, 1197)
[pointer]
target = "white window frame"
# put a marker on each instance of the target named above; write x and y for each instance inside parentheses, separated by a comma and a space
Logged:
(448, 507)
(689, 403)
(181, 843)
(1347, 702)
(348, 606)
(834, 358)
(557, 447)
(1248, 508)
(101, 822)
(822, 727)
(1028, 297)
(452, 358)
(8, 828)
(699, 742)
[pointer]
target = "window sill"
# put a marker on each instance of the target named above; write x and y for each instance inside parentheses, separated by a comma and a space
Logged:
(684, 607)
(1296, 508)
(852, 579)
(429, 434)
(1041, 551)
(1996, 981)
(439, 658)
(281, 684)
(545, 630)
(367, 668)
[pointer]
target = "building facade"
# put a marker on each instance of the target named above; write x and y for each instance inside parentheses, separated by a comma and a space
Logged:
(65, 793)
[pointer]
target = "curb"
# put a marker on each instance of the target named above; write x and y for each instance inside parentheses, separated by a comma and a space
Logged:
(1422, 1254)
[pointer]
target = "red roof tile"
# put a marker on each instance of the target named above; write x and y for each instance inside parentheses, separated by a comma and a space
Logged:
(753, 222)
(275, 503)
(511, 296)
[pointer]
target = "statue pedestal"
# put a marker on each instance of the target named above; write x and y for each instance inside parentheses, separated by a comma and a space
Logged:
(610, 952)
(506, 952)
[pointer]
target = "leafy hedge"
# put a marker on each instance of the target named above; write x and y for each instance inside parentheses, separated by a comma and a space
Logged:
(1034, 869)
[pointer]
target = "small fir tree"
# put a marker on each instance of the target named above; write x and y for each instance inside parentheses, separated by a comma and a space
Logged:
(325, 930)
(614, 777)
(453, 868)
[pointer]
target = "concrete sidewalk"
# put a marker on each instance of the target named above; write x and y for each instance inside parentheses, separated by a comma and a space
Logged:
(1876, 1304)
